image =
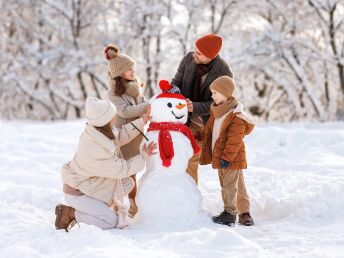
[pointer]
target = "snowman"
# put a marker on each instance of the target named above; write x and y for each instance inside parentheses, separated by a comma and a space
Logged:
(167, 195)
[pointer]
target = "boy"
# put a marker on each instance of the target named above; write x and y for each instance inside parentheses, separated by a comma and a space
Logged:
(223, 144)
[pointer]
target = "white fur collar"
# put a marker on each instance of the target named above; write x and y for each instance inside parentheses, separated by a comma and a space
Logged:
(239, 108)
(239, 111)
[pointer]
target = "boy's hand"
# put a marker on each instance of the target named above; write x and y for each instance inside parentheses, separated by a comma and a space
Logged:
(224, 163)
(189, 105)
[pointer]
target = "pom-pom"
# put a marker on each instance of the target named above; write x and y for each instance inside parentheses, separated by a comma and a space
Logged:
(111, 51)
(164, 85)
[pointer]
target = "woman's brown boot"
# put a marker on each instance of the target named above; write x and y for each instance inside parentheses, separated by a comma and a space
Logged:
(65, 218)
(132, 208)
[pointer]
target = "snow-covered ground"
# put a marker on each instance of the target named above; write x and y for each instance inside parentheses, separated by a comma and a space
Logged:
(295, 181)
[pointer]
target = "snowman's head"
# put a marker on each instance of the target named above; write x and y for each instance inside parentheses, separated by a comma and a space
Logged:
(169, 106)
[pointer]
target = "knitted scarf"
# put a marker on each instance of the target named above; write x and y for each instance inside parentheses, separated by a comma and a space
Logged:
(201, 69)
(220, 110)
(132, 88)
(165, 139)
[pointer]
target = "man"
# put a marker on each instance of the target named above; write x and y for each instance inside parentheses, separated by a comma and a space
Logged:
(197, 70)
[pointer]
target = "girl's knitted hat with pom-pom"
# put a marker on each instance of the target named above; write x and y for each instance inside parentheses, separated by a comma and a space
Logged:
(117, 63)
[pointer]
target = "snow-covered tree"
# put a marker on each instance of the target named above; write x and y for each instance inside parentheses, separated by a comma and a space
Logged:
(286, 50)
(52, 50)
(287, 56)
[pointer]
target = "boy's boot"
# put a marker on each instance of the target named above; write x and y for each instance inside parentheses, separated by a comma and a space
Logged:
(246, 219)
(225, 218)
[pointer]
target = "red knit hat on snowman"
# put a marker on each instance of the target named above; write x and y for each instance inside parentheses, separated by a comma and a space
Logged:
(169, 90)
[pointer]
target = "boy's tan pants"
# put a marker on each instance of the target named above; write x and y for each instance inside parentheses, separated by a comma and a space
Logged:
(233, 191)
(242, 199)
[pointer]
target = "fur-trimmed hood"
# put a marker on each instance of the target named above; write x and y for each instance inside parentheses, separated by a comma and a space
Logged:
(239, 111)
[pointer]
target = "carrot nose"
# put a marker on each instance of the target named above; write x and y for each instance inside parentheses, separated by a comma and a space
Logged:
(180, 106)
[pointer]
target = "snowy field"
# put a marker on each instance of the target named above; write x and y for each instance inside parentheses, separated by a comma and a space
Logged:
(295, 181)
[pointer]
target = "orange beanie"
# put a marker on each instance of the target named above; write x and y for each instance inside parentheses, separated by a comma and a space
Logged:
(209, 45)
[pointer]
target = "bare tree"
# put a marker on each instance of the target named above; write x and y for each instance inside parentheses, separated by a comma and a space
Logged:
(287, 56)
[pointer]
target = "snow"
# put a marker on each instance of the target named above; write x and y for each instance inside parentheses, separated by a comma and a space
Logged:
(295, 181)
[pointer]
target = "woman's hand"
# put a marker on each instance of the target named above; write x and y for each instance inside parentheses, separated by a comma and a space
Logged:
(147, 116)
(150, 148)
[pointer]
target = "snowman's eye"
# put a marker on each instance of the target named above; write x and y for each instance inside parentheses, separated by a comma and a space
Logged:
(169, 105)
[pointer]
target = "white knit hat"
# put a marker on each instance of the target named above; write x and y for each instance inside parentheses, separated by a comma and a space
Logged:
(99, 112)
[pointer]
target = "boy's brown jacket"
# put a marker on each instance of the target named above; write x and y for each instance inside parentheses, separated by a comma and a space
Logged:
(230, 145)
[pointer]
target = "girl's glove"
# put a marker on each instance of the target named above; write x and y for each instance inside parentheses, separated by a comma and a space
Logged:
(224, 163)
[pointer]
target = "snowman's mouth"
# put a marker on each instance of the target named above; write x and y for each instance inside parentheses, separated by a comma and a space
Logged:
(177, 117)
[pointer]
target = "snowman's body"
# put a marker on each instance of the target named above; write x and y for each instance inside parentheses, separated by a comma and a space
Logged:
(182, 149)
(167, 194)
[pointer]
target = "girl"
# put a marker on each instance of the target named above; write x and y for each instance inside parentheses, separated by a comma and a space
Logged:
(97, 179)
(124, 93)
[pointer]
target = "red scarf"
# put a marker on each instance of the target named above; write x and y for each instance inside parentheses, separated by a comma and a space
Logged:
(165, 139)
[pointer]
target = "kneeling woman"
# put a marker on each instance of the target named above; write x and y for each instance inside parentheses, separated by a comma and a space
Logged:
(97, 179)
